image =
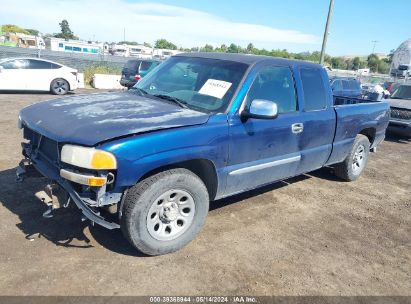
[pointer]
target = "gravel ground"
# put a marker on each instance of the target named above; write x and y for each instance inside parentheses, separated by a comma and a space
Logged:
(310, 235)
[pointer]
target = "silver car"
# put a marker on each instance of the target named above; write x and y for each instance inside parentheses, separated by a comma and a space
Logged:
(400, 103)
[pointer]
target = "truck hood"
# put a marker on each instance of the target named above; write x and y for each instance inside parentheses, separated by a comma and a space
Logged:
(400, 103)
(90, 119)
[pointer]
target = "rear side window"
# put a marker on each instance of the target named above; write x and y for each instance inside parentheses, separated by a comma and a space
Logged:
(346, 85)
(313, 87)
(337, 86)
(39, 65)
(355, 85)
(145, 65)
(55, 66)
(132, 66)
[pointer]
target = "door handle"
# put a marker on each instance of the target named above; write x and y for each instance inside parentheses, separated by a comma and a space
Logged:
(297, 128)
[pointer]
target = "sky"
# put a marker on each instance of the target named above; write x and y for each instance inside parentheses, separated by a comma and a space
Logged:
(295, 25)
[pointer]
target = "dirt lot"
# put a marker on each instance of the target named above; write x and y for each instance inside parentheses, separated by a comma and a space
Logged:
(311, 235)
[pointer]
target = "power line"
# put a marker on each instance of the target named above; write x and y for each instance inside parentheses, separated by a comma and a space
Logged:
(374, 44)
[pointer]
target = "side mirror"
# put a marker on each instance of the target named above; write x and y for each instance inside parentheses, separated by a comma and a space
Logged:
(260, 109)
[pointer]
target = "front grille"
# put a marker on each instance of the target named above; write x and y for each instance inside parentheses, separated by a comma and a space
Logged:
(401, 113)
(46, 147)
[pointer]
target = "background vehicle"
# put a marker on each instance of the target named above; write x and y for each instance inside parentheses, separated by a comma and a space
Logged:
(135, 69)
(33, 74)
(403, 70)
(198, 128)
(400, 103)
(346, 87)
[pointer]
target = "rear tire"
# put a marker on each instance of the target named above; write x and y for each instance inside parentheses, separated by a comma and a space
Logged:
(356, 161)
(164, 212)
(59, 86)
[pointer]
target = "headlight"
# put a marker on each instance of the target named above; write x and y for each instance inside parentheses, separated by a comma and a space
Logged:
(89, 158)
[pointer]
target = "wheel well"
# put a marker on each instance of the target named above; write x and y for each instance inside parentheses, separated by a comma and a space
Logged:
(68, 82)
(370, 133)
(203, 168)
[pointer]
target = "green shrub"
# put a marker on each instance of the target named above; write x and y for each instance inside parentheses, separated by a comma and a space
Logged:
(98, 69)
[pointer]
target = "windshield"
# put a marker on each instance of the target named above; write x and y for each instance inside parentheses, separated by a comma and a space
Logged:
(403, 92)
(199, 83)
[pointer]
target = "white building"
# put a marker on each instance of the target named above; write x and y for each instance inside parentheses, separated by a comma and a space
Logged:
(23, 40)
(126, 50)
(75, 46)
(140, 51)
(164, 53)
(119, 50)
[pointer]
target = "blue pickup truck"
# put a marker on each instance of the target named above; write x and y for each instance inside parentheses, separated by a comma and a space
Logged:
(198, 128)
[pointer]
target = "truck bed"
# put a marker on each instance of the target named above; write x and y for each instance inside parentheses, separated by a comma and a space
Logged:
(357, 116)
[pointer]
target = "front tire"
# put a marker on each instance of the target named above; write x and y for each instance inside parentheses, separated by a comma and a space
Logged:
(356, 161)
(164, 212)
(59, 86)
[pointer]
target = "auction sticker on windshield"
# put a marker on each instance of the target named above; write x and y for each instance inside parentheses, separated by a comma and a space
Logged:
(215, 88)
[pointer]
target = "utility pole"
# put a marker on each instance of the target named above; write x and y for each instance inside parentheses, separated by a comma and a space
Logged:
(326, 32)
(124, 34)
(374, 44)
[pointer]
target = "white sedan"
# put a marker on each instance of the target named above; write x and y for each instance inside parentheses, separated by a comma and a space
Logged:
(33, 74)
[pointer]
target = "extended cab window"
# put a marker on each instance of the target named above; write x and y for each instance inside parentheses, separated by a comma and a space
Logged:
(277, 85)
(313, 87)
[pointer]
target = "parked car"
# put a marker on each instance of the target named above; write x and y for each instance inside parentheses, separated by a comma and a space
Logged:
(403, 71)
(348, 87)
(33, 74)
(198, 128)
(366, 87)
(400, 103)
(375, 92)
(135, 69)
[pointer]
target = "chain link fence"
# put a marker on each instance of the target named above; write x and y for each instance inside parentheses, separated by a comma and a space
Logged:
(73, 60)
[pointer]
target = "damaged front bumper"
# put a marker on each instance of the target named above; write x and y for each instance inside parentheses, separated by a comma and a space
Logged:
(30, 167)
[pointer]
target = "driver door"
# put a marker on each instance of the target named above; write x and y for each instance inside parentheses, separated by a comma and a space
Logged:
(262, 151)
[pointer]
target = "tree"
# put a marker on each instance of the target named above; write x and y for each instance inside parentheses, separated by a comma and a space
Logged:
(66, 32)
(383, 67)
(250, 48)
(33, 32)
(146, 44)
(373, 62)
(356, 63)
(11, 28)
(164, 44)
(233, 48)
(337, 63)
(207, 48)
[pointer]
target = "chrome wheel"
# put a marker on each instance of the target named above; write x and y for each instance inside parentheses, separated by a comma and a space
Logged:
(170, 215)
(358, 159)
(60, 87)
